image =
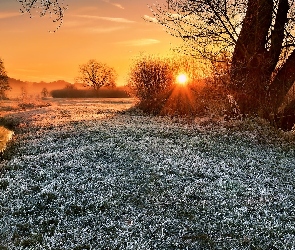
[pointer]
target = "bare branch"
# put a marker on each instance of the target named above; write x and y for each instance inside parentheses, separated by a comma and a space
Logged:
(55, 8)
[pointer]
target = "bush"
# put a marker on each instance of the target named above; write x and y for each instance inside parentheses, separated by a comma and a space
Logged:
(217, 91)
(26, 104)
(153, 81)
(149, 78)
(9, 122)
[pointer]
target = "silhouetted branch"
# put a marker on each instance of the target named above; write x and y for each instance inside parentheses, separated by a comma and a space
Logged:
(55, 8)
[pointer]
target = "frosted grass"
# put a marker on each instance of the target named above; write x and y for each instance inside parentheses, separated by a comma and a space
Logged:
(103, 179)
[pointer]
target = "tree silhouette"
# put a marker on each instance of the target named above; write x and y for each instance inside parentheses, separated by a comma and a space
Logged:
(258, 33)
(4, 85)
(44, 93)
(96, 74)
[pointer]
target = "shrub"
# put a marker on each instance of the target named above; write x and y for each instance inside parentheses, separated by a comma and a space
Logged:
(150, 77)
(153, 81)
(217, 92)
(26, 104)
(9, 122)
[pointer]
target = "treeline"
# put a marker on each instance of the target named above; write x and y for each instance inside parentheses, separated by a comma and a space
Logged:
(90, 93)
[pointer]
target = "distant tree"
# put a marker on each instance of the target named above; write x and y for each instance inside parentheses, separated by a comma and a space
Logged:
(24, 93)
(70, 86)
(44, 93)
(96, 74)
(55, 8)
(4, 85)
(150, 76)
(259, 34)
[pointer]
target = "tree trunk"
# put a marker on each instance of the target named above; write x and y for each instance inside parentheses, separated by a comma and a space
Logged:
(286, 119)
(256, 56)
(282, 82)
(248, 63)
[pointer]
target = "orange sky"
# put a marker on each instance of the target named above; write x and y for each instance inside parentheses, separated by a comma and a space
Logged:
(110, 31)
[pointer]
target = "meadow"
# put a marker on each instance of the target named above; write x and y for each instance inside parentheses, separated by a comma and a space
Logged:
(99, 174)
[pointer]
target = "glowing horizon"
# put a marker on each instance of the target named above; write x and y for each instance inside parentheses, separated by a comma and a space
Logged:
(110, 32)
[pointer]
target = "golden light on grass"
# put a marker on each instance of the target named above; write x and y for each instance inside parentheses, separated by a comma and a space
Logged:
(181, 101)
(182, 79)
(5, 136)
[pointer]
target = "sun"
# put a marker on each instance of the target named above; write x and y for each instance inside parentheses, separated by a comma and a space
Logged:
(182, 79)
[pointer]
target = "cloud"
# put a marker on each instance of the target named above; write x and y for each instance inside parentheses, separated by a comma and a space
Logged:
(114, 4)
(150, 19)
(111, 19)
(4, 15)
(118, 6)
(139, 42)
(103, 29)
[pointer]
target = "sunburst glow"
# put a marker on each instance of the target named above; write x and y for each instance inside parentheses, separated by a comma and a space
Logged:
(182, 79)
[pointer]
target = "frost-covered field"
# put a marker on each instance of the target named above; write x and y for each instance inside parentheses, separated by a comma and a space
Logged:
(85, 176)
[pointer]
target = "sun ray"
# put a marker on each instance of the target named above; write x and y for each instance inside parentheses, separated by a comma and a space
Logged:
(181, 101)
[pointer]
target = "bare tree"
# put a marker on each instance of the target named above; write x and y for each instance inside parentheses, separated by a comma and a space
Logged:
(44, 93)
(24, 94)
(96, 74)
(4, 85)
(258, 33)
(207, 27)
(55, 8)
